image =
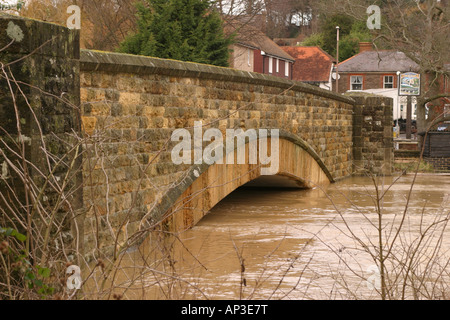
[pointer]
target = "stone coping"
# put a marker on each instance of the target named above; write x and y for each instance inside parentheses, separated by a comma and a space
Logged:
(92, 60)
(37, 37)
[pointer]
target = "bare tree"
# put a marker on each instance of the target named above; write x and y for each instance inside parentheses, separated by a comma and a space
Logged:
(421, 30)
(275, 18)
(105, 23)
(110, 22)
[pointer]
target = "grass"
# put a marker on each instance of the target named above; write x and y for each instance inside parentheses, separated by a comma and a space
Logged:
(410, 166)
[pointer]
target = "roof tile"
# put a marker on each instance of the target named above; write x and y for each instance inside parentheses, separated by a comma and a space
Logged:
(378, 61)
(312, 64)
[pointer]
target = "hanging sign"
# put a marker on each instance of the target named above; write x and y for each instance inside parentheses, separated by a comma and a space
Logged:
(409, 84)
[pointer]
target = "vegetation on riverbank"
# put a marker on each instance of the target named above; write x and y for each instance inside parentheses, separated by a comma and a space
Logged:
(410, 166)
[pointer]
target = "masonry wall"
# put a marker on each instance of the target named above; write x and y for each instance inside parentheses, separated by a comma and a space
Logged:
(373, 146)
(436, 150)
(40, 127)
(439, 164)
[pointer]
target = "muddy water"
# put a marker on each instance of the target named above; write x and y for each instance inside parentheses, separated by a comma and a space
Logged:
(305, 244)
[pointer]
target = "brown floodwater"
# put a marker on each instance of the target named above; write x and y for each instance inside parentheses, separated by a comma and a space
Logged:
(271, 243)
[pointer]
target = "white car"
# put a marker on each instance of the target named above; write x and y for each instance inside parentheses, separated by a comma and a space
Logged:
(443, 126)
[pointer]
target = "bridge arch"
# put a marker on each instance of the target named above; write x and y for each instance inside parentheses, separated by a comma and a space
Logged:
(205, 186)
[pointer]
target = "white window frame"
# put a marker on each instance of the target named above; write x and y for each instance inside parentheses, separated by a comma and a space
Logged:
(277, 63)
(356, 83)
(248, 57)
(388, 83)
(286, 68)
(270, 65)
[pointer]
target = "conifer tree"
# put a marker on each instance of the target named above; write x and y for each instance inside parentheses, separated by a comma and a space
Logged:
(187, 30)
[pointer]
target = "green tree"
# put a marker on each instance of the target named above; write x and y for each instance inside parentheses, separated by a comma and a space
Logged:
(187, 30)
(329, 32)
(316, 39)
(352, 32)
(349, 44)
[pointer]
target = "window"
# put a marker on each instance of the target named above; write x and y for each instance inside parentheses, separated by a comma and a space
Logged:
(286, 68)
(277, 62)
(356, 82)
(248, 57)
(447, 109)
(388, 82)
(270, 64)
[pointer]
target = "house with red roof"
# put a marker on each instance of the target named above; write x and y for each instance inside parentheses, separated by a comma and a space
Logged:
(312, 65)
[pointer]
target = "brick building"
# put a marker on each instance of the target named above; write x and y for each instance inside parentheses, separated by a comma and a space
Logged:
(376, 72)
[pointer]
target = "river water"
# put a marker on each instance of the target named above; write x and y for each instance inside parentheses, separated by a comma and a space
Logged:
(268, 243)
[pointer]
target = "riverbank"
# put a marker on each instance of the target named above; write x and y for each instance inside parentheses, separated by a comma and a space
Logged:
(407, 161)
(411, 165)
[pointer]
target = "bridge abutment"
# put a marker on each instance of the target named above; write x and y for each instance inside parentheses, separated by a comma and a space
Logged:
(373, 141)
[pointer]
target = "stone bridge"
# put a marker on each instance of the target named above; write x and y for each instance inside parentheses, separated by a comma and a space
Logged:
(129, 107)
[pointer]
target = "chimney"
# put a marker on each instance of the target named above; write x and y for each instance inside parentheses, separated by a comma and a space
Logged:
(365, 46)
